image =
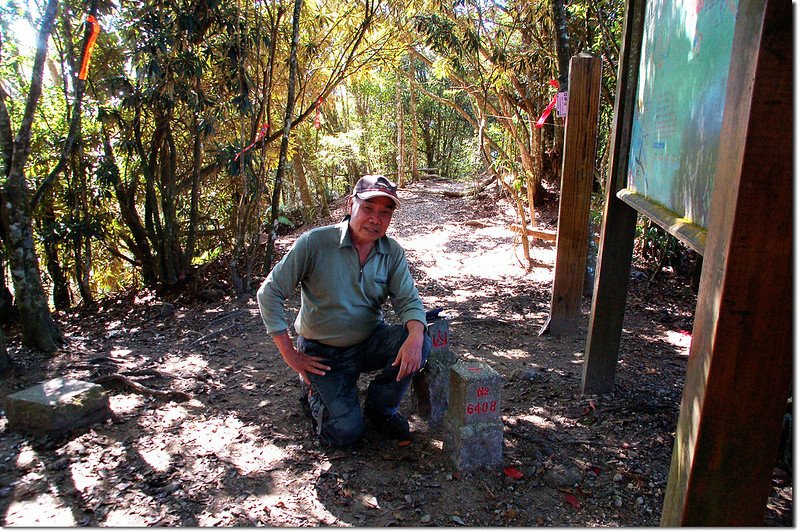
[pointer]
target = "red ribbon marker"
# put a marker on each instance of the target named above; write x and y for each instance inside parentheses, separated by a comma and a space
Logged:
(87, 51)
(262, 131)
(317, 116)
(549, 108)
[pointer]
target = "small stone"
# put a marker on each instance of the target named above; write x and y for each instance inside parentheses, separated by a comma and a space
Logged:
(212, 294)
(617, 501)
(425, 519)
(618, 477)
(167, 309)
(562, 477)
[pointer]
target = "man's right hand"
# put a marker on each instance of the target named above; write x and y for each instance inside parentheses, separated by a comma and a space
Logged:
(300, 362)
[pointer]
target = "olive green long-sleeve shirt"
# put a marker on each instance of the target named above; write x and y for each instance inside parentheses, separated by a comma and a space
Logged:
(340, 300)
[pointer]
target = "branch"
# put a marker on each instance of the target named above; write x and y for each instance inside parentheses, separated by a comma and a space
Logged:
(22, 143)
(73, 126)
(339, 74)
(172, 395)
(6, 136)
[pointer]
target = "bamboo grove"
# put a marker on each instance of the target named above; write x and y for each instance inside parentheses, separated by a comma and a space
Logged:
(203, 126)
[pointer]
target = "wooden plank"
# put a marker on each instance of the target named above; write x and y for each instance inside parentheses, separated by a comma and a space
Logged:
(619, 223)
(580, 141)
(740, 362)
(690, 234)
(543, 234)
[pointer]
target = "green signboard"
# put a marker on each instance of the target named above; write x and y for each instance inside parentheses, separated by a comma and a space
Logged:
(683, 74)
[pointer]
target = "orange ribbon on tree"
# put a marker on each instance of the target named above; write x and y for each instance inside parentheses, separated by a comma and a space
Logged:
(87, 50)
(318, 115)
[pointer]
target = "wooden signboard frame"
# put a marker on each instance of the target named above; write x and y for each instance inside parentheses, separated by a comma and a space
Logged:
(739, 371)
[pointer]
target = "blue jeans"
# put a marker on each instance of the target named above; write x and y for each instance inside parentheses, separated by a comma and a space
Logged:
(334, 396)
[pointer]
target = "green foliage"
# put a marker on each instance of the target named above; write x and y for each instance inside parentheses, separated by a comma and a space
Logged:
(209, 255)
(107, 174)
(164, 72)
(656, 249)
(336, 151)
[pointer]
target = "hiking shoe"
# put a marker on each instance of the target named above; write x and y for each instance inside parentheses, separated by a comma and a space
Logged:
(394, 426)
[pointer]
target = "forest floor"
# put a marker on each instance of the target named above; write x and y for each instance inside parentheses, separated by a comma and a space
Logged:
(240, 452)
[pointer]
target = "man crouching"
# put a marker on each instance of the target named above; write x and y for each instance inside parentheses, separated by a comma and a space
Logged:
(346, 273)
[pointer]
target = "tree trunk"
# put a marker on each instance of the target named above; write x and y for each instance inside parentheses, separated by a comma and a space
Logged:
(400, 132)
(161, 221)
(563, 55)
(511, 192)
(562, 43)
(169, 199)
(197, 160)
(83, 240)
(61, 295)
(322, 194)
(413, 122)
(39, 330)
(5, 360)
(126, 199)
(6, 299)
(74, 156)
(287, 129)
(302, 183)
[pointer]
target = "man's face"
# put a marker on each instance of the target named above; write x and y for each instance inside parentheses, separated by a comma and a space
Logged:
(369, 219)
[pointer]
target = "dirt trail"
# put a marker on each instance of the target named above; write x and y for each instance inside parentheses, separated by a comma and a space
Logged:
(240, 452)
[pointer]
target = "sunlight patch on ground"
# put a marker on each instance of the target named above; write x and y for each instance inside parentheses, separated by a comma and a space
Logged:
(26, 457)
(461, 296)
(85, 473)
(498, 255)
(121, 517)
(544, 259)
(680, 339)
(43, 510)
(306, 505)
(83, 476)
(185, 365)
(537, 421)
(512, 354)
(213, 519)
(231, 439)
(125, 404)
(158, 459)
(170, 413)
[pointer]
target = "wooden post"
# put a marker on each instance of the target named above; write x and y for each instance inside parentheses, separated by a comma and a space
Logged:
(740, 363)
(576, 192)
(619, 223)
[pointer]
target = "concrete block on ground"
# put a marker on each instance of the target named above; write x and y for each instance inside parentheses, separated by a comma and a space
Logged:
(432, 385)
(57, 406)
(473, 430)
(474, 447)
